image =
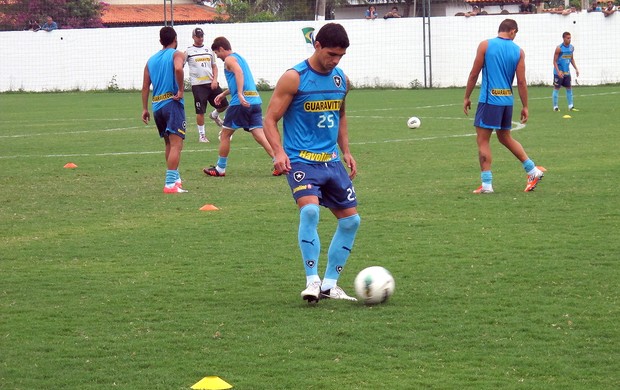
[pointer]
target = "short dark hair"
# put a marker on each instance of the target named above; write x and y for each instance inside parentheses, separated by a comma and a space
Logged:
(507, 25)
(221, 42)
(333, 35)
(167, 35)
(565, 34)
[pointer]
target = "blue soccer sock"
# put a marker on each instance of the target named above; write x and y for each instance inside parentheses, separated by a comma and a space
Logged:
(171, 177)
(528, 165)
(221, 162)
(308, 238)
(340, 249)
(486, 177)
(554, 96)
(569, 97)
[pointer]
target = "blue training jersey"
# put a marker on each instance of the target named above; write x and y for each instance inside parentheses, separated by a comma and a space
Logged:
(498, 72)
(249, 86)
(161, 71)
(564, 59)
(312, 120)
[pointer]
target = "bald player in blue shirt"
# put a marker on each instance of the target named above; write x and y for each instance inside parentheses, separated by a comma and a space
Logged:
(499, 59)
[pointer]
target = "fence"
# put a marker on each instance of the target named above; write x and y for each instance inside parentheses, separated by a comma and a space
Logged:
(387, 53)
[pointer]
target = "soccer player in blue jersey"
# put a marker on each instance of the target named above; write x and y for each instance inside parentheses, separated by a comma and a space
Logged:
(164, 70)
(310, 98)
(562, 60)
(245, 105)
(499, 59)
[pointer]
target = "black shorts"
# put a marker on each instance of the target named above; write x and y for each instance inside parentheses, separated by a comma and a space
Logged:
(562, 81)
(203, 94)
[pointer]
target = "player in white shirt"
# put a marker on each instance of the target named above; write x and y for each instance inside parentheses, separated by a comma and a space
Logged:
(205, 87)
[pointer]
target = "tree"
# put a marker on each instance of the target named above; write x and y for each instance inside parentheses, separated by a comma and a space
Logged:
(15, 14)
(273, 10)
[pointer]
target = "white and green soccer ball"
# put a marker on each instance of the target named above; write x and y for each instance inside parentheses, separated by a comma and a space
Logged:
(374, 285)
(414, 122)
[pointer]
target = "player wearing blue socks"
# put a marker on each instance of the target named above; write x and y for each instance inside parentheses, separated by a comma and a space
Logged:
(310, 98)
(165, 71)
(499, 59)
(562, 60)
(244, 111)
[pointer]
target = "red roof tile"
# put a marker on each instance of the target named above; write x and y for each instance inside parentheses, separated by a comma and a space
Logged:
(136, 15)
(497, 2)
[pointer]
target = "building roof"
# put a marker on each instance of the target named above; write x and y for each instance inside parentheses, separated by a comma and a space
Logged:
(153, 14)
(498, 2)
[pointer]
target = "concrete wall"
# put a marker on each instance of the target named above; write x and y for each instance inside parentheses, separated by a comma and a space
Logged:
(382, 52)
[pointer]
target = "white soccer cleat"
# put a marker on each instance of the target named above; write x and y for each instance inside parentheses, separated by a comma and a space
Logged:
(312, 292)
(534, 178)
(216, 118)
(336, 293)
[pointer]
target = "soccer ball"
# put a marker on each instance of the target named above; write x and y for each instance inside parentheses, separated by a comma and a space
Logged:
(374, 285)
(414, 122)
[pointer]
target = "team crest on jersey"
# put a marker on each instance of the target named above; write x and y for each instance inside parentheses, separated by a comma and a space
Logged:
(338, 81)
(299, 176)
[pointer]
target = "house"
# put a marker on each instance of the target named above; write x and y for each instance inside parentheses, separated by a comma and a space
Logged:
(123, 13)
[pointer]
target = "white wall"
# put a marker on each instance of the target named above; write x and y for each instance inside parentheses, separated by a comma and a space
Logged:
(382, 52)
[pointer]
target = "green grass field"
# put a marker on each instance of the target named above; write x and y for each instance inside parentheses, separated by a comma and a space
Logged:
(107, 283)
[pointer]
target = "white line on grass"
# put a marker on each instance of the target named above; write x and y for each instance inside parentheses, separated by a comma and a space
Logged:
(70, 132)
(518, 126)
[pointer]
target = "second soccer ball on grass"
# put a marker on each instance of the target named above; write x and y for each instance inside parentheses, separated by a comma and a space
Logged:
(413, 122)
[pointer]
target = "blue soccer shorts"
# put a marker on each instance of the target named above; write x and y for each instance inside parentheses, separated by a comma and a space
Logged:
(493, 117)
(247, 118)
(329, 181)
(171, 119)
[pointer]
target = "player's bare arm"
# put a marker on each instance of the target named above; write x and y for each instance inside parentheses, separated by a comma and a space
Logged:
(214, 83)
(556, 56)
(473, 75)
(146, 86)
(179, 74)
(522, 87)
(285, 90)
(572, 61)
(343, 138)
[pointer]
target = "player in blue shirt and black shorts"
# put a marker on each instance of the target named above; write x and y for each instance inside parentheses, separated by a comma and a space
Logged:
(562, 59)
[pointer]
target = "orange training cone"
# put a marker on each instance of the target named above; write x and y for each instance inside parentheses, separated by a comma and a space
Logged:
(70, 165)
(208, 207)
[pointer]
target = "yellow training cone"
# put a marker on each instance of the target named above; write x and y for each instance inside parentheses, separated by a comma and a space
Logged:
(211, 383)
(567, 117)
(208, 207)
